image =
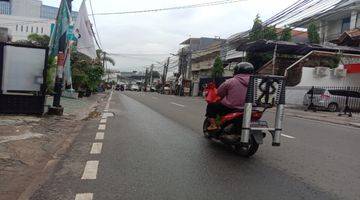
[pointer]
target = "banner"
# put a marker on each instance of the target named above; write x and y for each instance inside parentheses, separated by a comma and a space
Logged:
(84, 33)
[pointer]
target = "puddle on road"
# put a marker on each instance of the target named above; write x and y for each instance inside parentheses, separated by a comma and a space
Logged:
(107, 114)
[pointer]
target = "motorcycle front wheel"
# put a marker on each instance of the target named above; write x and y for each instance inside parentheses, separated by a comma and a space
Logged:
(247, 151)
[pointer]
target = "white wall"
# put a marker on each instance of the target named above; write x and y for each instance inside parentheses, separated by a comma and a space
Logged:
(37, 25)
(308, 79)
(295, 95)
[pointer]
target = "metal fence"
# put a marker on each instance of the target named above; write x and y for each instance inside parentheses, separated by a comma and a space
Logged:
(346, 98)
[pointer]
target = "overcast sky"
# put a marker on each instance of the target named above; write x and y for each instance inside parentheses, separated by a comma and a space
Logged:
(161, 32)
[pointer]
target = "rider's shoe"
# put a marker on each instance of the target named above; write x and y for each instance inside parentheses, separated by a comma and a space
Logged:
(213, 127)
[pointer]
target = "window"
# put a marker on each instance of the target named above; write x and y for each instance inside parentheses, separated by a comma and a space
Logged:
(27, 28)
(317, 91)
(345, 24)
(22, 28)
(42, 30)
(17, 27)
(32, 29)
(37, 29)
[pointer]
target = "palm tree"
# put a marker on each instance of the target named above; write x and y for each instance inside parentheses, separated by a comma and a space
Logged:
(102, 56)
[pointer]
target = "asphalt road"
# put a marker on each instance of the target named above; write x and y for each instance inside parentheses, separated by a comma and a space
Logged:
(153, 149)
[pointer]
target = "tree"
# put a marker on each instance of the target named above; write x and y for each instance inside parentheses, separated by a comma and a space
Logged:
(259, 32)
(256, 32)
(39, 40)
(101, 56)
(86, 74)
(313, 34)
(218, 68)
(286, 34)
(35, 40)
(269, 33)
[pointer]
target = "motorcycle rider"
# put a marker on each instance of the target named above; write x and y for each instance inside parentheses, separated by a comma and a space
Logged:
(232, 93)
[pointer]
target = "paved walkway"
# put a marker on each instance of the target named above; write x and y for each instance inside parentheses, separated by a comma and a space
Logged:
(331, 117)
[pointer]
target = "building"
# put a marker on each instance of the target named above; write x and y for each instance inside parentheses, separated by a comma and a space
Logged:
(344, 16)
(202, 61)
(190, 46)
(20, 18)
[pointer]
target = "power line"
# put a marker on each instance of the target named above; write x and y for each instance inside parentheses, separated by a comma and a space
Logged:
(96, 30)
(214, 3)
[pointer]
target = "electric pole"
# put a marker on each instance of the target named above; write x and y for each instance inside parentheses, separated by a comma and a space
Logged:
(151, 75)
(165, 71)
(146, 78)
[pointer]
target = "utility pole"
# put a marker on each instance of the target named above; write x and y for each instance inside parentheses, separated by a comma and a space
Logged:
(57, 108)
(151, 74)
(165, 71)
(146, 78)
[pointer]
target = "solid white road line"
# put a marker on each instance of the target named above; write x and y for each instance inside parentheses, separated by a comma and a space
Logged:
(288, 136)
(102, 127)
(103, 121)
(96, 148)
(99, 136)
(90, 170)
(180, 105)
(84, 196)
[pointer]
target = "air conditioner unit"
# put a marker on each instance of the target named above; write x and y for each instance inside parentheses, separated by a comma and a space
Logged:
(340, 73)
(321, 71)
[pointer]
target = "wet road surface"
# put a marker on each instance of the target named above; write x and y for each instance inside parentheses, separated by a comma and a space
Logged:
(153, 149)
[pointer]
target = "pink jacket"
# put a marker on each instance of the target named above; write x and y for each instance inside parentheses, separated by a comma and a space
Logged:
(233, 91)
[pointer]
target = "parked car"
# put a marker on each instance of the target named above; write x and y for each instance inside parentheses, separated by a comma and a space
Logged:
(134, 88)
(332, 100)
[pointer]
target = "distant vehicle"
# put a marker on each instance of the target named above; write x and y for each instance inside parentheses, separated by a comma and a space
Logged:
(332, 100)
(134, 88)
(120, 87)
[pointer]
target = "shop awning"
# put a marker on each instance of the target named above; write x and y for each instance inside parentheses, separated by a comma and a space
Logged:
(263, 46)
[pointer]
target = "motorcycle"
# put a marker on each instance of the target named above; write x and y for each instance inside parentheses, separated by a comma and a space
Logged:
(243, 131)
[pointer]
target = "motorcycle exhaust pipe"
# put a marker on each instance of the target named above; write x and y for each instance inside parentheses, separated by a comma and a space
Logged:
(245, 132)
(278, 125)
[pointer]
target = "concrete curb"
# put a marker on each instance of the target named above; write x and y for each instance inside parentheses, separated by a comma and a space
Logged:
(357, 125)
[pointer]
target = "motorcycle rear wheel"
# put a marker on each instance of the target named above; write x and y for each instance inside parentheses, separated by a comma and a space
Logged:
(205, 128)
(247, 151)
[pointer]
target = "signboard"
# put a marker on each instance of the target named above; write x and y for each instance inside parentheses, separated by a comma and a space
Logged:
(23, 69)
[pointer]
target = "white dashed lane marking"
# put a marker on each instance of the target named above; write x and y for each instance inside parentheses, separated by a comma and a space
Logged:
(102, 127)
(288, 136)
(99, 136)
(176, 104)
(103, 121)
(90, 170)
(84, 196)
(154, 97)
(96, 148)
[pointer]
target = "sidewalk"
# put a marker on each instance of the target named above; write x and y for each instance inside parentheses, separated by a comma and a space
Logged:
(30, 146)
(297, 111)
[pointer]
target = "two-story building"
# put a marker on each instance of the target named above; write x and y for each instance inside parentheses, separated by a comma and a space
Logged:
(344, 16)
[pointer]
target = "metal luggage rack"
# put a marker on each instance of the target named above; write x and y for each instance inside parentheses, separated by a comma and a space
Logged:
(264, 92)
